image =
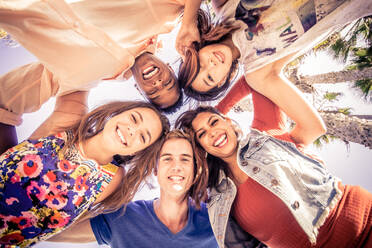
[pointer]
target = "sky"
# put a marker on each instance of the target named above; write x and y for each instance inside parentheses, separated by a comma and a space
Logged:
(352, 165)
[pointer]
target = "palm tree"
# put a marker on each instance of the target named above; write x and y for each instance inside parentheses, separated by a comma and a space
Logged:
(349, 128)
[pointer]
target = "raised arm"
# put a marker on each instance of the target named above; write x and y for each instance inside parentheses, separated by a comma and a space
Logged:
(188, 32)
(68, 110)
(271, 83)
(80, 232)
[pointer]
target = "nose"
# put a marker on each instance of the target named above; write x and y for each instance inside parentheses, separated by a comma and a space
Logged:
(157, 82)
(212, 62)
(212, 133)
(176, 166)
(131, 130)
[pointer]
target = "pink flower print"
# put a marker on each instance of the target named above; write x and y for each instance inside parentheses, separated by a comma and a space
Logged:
(34, 189)
(59, 187)
(11, 200)
(12, 238)
(80, 184)
(50, 177)
(27, 219)
(15, 178)
(77, 200)
(59, 219)
(56, 201)
(66, 166)
(30, 166)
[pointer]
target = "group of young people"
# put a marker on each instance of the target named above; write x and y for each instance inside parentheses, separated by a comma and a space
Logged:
(73, 180)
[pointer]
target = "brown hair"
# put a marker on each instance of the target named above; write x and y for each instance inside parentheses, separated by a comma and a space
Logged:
(198, 190)
(215, 164)
(141, 163)
(189, 69)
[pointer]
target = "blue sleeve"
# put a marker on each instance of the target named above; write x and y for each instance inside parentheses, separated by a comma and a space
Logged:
(101, 229)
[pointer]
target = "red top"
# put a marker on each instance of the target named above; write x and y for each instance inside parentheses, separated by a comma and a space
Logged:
(266, 217)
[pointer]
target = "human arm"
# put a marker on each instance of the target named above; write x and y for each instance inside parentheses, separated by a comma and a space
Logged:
(188, 32)
(237, 92)
(68, 110)
(8, 137)
(271, 83)
(79, 232)
(216, 4)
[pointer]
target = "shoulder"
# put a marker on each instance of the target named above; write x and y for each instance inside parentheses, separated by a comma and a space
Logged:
(139, 209)
(199, 214)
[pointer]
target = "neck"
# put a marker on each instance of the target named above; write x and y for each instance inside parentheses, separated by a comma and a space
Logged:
(172, 212)
(238, 176)
(92, 149)
(235, 51)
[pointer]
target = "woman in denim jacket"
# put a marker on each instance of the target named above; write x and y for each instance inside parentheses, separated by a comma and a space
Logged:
(266, 185)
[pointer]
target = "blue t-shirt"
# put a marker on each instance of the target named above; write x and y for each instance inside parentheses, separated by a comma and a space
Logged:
(140, 227)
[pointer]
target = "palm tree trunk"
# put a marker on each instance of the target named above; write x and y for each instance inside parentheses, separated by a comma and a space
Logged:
(349, 128)
(337, 77)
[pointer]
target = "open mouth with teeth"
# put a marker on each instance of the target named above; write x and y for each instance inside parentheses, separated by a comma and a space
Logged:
(121, 137)
(220, 56)
(176, 182)
(176, 179)
(149, 72)
(220, 141)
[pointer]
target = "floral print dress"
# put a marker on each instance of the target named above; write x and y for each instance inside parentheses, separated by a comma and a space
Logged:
(42, 191)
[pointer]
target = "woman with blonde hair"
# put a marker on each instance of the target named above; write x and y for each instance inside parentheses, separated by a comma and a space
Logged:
(75, 166)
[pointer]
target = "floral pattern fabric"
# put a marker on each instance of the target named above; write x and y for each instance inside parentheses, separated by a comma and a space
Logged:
(42, 190)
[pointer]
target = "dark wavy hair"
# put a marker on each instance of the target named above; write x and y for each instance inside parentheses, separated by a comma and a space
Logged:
(141, 163)
(189, 69)
(215, 164)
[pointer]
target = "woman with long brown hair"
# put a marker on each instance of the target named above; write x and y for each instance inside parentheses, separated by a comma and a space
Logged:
(256, 34)
(269, 185)
(72, 166)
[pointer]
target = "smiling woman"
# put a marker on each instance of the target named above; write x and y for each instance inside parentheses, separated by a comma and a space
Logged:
(48, 182)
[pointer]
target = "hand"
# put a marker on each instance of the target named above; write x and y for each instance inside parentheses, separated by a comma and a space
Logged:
(187, 34)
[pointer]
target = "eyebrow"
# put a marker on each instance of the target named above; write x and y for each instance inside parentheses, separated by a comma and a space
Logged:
(174, 84)
(140, 116)
(149, 135)
(156, 97)
(209, 119)
(206, 82)
(170, 154)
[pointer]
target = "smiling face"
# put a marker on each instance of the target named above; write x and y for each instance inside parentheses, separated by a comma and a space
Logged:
(156, 80)
(215, 63)
(175, 171)
(131, 131)
(215, 134)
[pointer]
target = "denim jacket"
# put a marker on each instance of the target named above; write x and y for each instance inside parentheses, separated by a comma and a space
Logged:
(302, 183)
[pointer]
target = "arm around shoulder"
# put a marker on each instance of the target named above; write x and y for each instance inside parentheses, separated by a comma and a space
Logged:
(68, 110)
(270, 82)
(80, 232)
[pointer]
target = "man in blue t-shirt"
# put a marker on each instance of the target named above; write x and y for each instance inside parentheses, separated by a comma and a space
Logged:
(170, 221)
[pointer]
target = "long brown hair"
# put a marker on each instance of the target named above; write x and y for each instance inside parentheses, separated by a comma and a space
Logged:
(141, 164)
(198, 189)
(189, 69)
(215, 164)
